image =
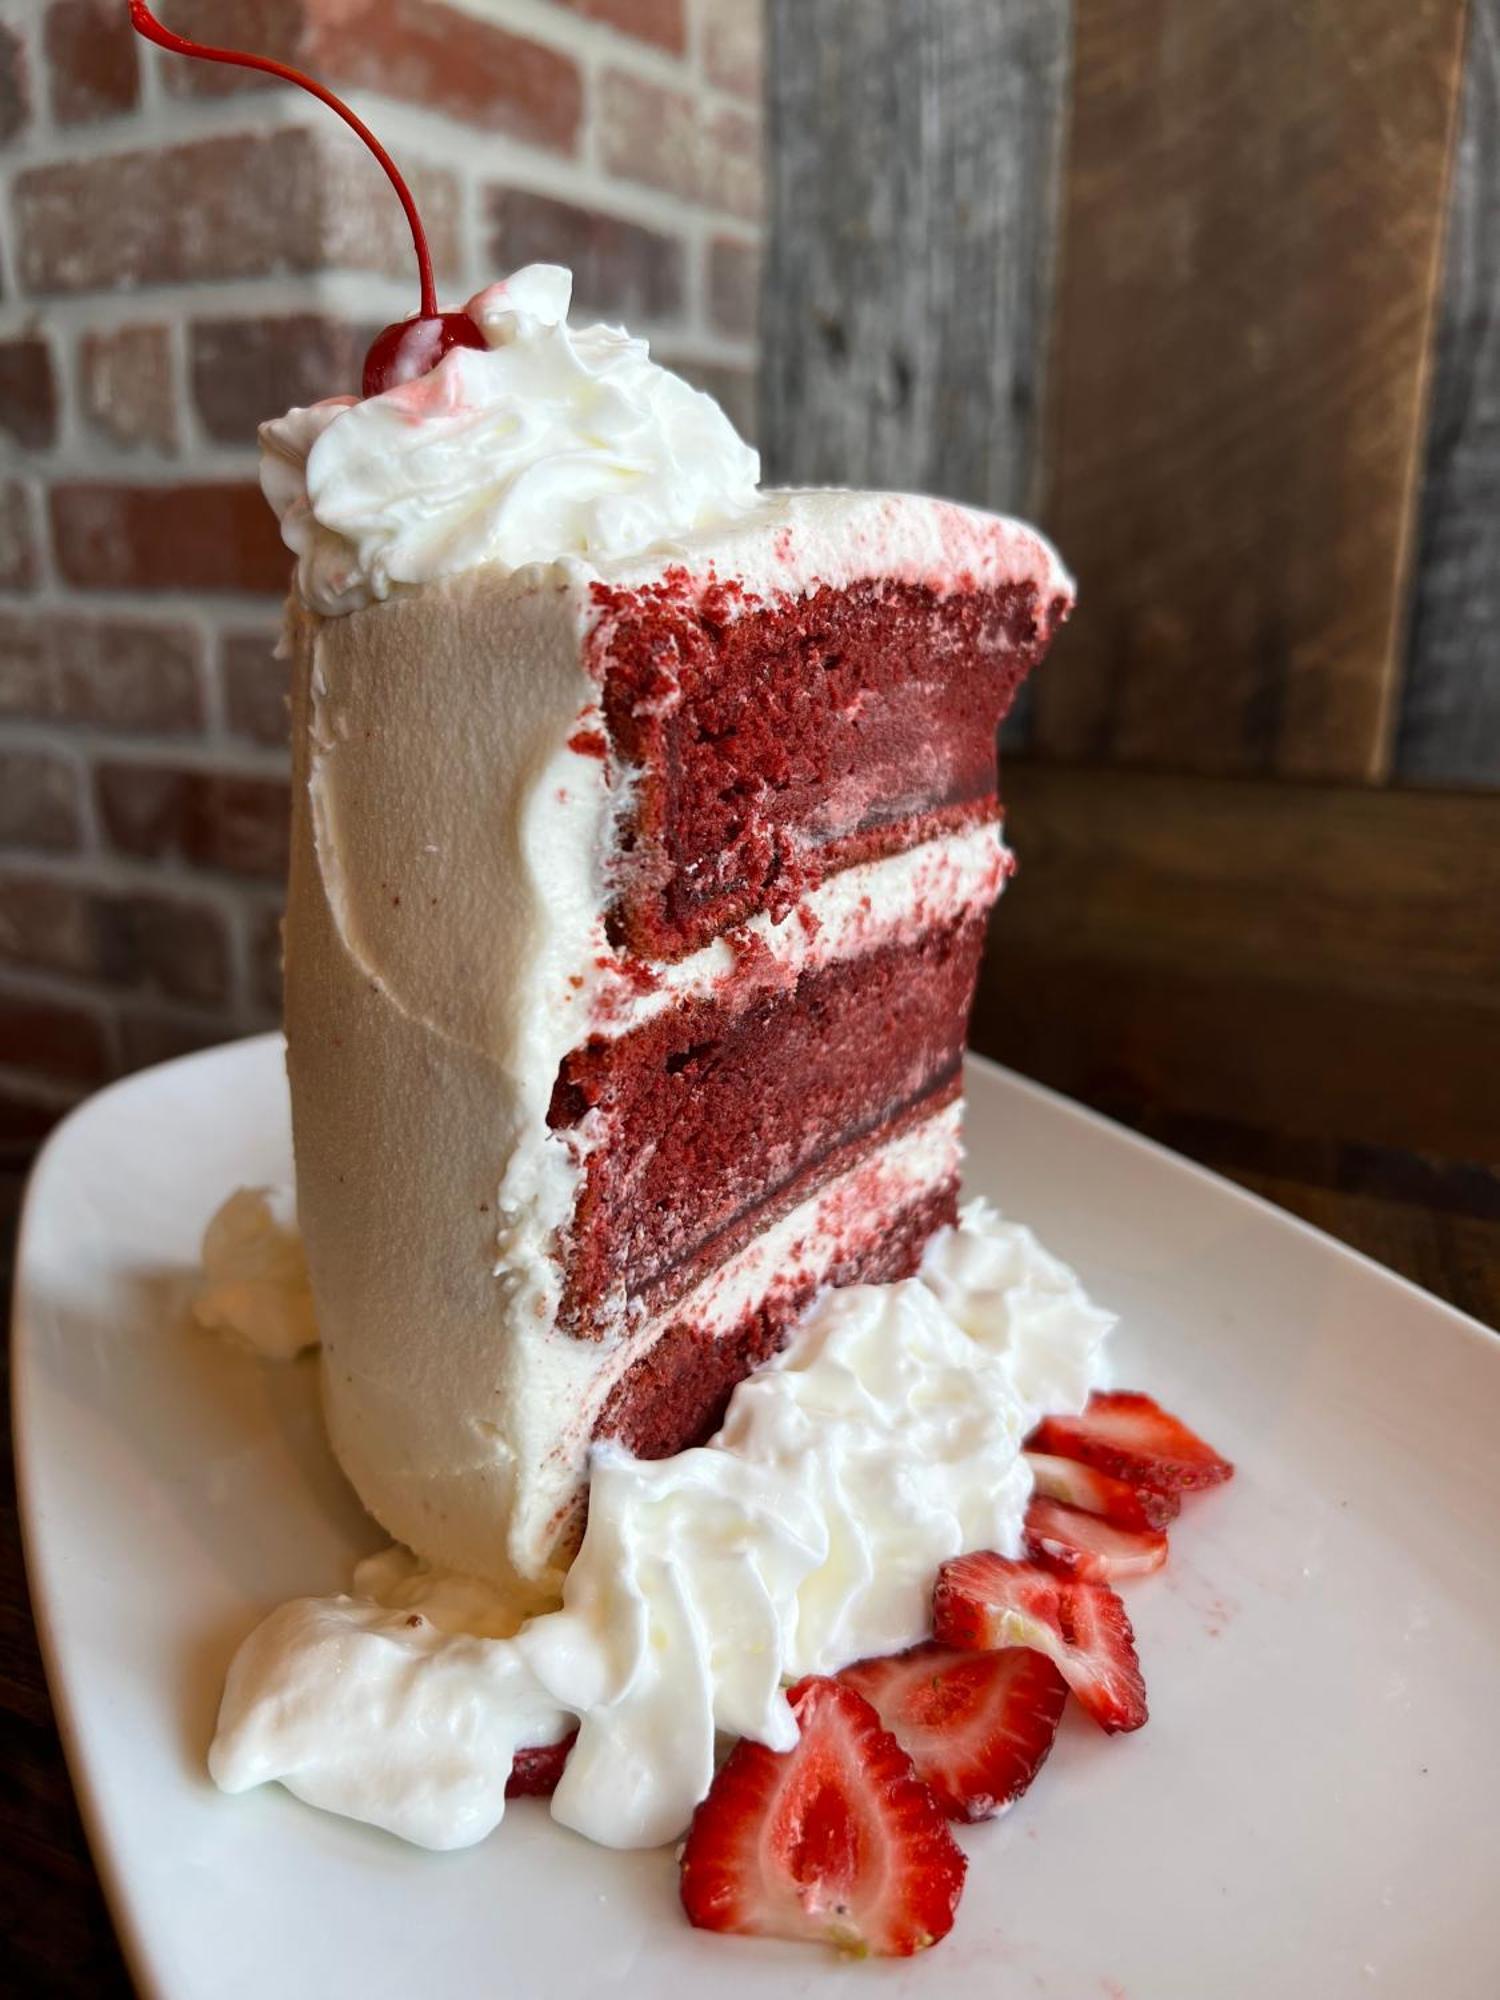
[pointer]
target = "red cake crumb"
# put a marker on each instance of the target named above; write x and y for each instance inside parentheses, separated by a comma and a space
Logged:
(718, 1117)
(778, 742)
(676, 1394)
(758, 747)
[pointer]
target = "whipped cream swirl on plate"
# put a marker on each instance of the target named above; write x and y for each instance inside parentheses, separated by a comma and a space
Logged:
(883, 1441)
(549, 443)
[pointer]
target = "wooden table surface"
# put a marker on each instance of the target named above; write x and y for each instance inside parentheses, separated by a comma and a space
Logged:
(56, 1930)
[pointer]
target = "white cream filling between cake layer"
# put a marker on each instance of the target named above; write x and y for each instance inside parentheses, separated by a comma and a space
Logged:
(890, 900)
(798, 1249)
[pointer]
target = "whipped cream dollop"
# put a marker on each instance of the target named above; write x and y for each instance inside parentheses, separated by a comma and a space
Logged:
(549, 443)
(255, 1288)
(884, 1440)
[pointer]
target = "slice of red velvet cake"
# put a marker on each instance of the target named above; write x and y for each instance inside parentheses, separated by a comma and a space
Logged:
(645, 829)
(635, 915)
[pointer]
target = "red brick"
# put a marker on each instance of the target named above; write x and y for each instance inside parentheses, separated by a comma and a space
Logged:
(127, 676)
(437, 56)
(255, 688)
(25, 666)
(650, 134)
(269, 27)
(91, 56)
(15, 85)
(173, 945)
(733, 389)
(53, 1038)
(149, 1035)
(219, 536)
(232, 207)
(19, 560)
(621, 271)
(363, 225)
(38, 800)
(213, 819)
(49, 924)
(734, 286)
(125, 386)
(245, 370)
(265, 958)
(732, 162)
(238, 206)
(28, 392)
(666, 139)
(733, 55)
(417, 50)
(659, 21)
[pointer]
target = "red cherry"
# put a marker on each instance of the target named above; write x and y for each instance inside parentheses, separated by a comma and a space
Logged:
(413, 347)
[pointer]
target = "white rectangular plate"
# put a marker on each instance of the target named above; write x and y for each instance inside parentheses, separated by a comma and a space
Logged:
(1313, 1809)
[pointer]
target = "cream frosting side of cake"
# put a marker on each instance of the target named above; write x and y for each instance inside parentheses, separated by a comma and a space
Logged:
(452, 833)
(885, 1440)
(445, 947)
(446, 922)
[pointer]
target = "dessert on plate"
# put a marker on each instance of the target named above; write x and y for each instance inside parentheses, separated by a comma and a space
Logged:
(644, 838)
(645, 833)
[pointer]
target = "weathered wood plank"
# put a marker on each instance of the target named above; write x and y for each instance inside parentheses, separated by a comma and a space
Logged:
(1316, 961)
(912, 152)
(1450, 710)
(1253, 211)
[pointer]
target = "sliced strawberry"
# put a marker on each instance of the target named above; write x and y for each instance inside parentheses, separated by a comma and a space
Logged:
(535, 1773)
(1073, 1543)
(836, 1840)
(986, 1601)
(1080, 1485)
(1136, 1440)
(977, 1726)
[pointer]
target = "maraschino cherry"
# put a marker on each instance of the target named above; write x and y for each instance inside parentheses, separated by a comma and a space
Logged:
(412, 346)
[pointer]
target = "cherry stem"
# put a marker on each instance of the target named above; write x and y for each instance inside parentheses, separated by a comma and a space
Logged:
(145, 23)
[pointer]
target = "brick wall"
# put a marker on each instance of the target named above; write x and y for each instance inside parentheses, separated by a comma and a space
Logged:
(185, 251)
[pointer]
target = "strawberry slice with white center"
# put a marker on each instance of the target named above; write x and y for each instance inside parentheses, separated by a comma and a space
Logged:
(1134, 1439)
(1085, 1486)
(977, 1726)
(1073, 1543)
(537, 1772)
(836, 1840)
(986, 1601)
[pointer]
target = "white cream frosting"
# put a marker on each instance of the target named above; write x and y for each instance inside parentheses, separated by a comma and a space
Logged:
(549, 442)
(885, 1440)
(255, 1288)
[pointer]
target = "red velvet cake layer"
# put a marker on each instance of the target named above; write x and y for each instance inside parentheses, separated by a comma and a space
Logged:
(675, 1395)
(718, 1118)
(778, 743)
